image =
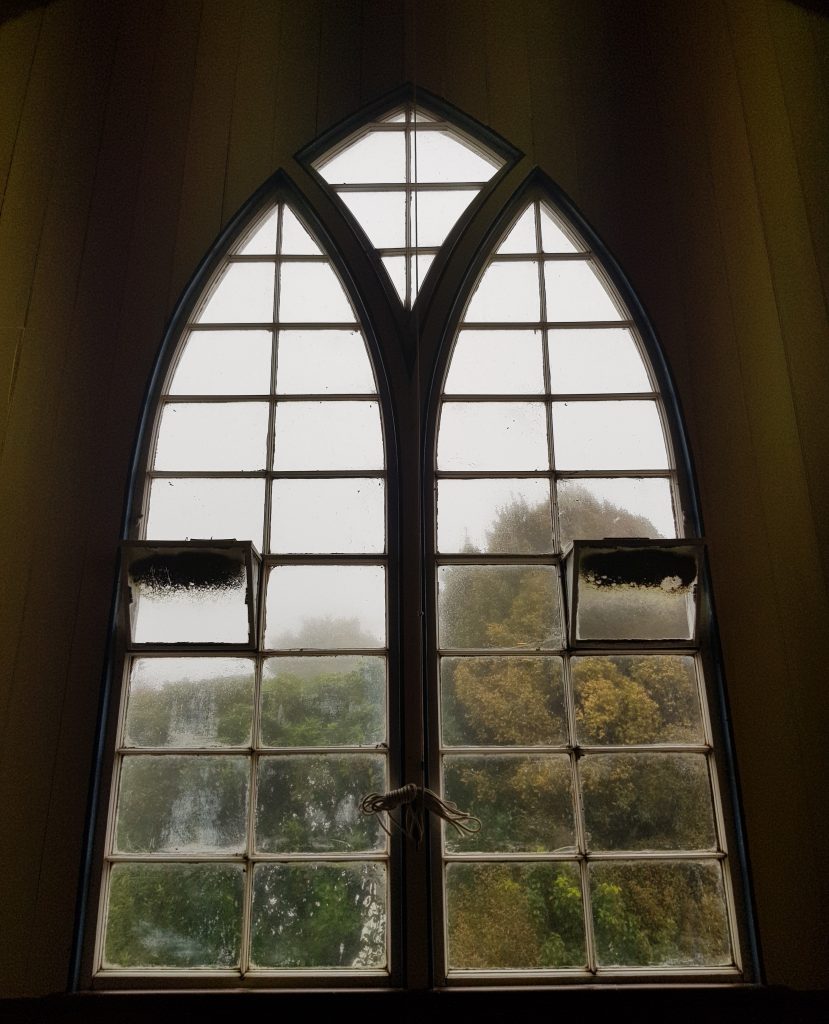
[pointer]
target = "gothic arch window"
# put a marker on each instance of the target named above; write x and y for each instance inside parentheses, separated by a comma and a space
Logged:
(312, 609)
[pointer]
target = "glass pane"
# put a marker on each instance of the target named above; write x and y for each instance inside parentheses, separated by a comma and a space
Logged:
(574, 292)
(311, 804)
(628, 699)
(174, 915)
(396, 269)
(502, 701)
(435, 214)
(607, 507)
(608, 435)
(262, 241)
(493, 435)
(420, 265)
(647, 802)
(593, 361)
(212, 436)
(525, 804)
(203, 509)
(553, 237)
(328, 515)
(319, 915)
(189, 597)
(174, 804)
(243, 294)
(521, 238)
(503, 916)
(382, 215)
(328, 435)
(224, 363)
(189, 702)
(312, 293)
(500, 516)
(326, 606)
(323, 701)
(441, 156)
(295, 239)
(323, 362)
(374, 157)
(507, 292)
(660, 914)
(506, 606)
(496, 363)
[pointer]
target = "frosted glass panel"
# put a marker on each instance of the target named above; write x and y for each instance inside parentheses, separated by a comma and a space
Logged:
(191, 509)
(574, 292)
(500, 516)
(212, 436)
(608, 435)
(508, 292)
(295, 239)
(382, 215)
(553, 238)
(321, 516)
(224, 363)
(374, 157)
(521, 238)
(621, 507)
(420, 265)
(496, 363)
(328, 435)
(493, 435)
(243, 295)
(440, 156)
(396, 269)
(436, 213)
(312, 293)
(323, 362)
(262, 242)
(592, 361)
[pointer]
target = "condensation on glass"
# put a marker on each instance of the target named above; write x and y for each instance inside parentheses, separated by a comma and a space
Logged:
(235, 844)
(406, 178)
(601, 849)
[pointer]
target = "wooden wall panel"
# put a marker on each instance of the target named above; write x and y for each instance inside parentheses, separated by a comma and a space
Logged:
(465, 75)
(17, 47)
(338, 95)
(505, 34)
(297, 78)
(426, 45)
(382, 29)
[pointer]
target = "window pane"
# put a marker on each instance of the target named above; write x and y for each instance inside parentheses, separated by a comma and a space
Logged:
(592, 361)
(575, 292)
(496, 363)
(224, 363)
(507, 292)
(174, 915)
(189, 702)
(525, 804)
(506, 606)
(319, 915)
(174, 804)
(312, 293)
(637, 699)
(493, 435)
(374, 157)
(396, 269)
(647, 802)
(500, 516)
(328, 435)
(553, 236)
(243, 294)
(502, 701)
(435, 214)
(320, 362)
(326, 606)
(420, 265)
(441, 156)
(608, 435)
(311, 804)
(202, 509)
(521, 238)
(262, 240)
(607, 507)
(212, 436)
(328, 515)
(382, 215)
(295, 239)
(660, 914)
(503, 916)
(323, 701)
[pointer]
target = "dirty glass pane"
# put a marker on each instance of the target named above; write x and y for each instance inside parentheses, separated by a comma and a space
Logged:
(243, 294)
(591, 361)
(521, 238)
(440, 156)
(312, 293)
(503, 516)
(295, 239)
(493, 435)
(525, 804)
(189, 702)
(621, 507)
(508, 292)
(319, 915)
(647, 802)
(503, 916)
(374, 157)
(189, 597)
(325, 606)
(319, 515)
(608, 435)
(508, 606)
(212, 436)
(382, 215)
(627, 699)
(311, 804)
(575, 292)
(660, 914)
(434, 214)
(320, 362)
(328, 435)
(174, 915)
(502, 701)
(224, 363)
(179, 804)
(496, 363)
(323, 701)
(396, 269)
(553, 237)
(190, 508)
(262, 241)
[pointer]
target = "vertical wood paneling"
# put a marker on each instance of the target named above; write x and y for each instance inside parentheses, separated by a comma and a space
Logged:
(425, 44)
(381, 49)
(465, 71)
(18, 40)
(508, 77)
(297, 79)
(338, 94)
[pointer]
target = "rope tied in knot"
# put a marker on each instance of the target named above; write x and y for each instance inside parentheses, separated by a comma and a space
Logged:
(415, 801)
